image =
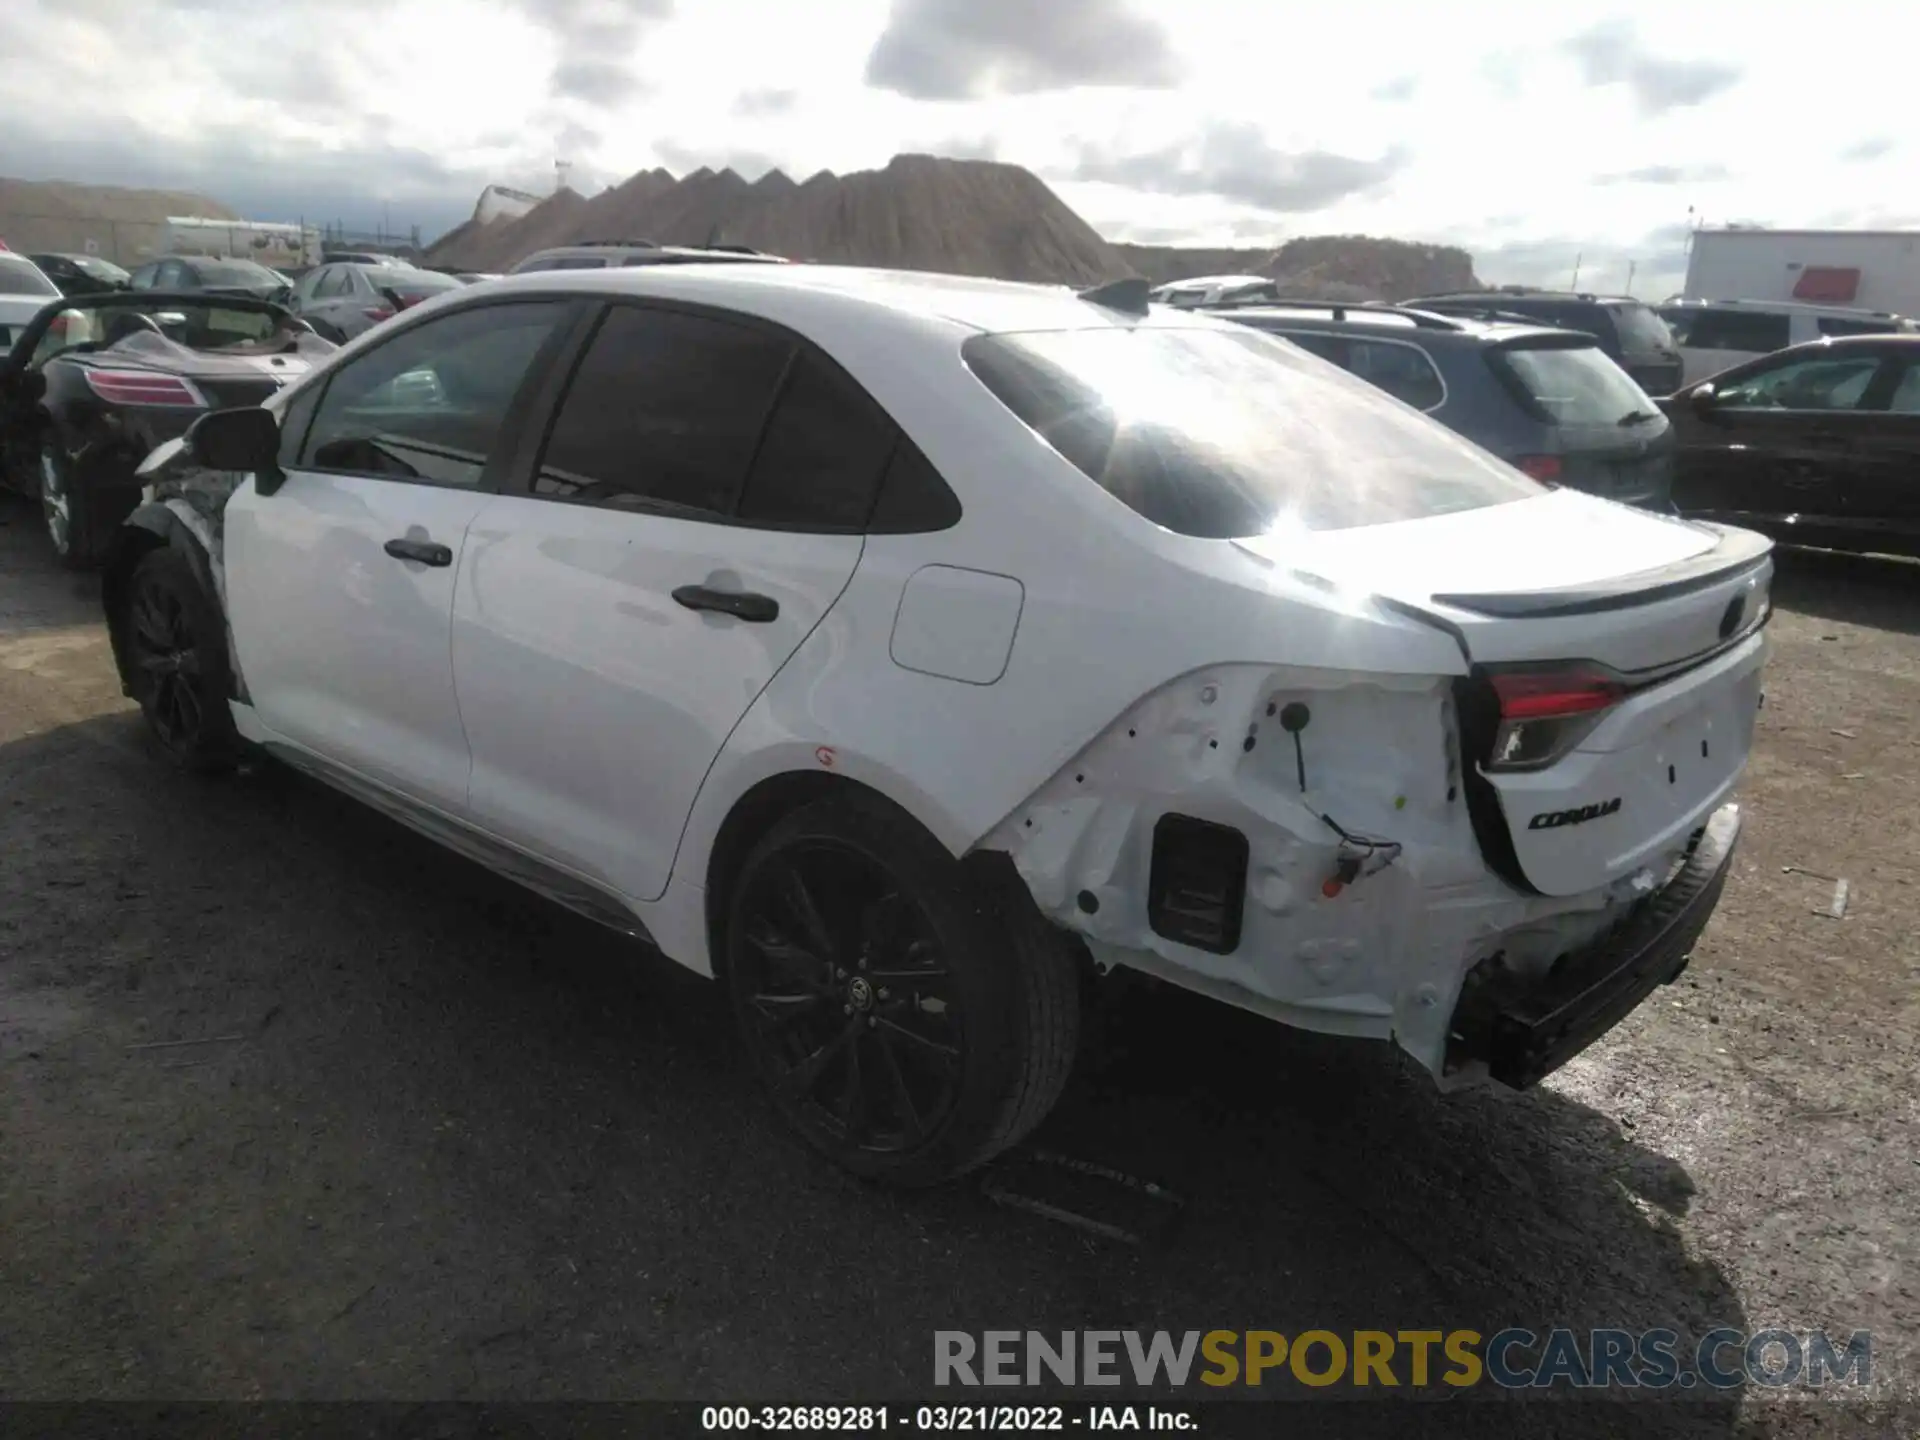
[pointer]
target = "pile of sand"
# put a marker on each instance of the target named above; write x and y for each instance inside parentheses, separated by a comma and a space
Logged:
(964, 217)
(122, 225)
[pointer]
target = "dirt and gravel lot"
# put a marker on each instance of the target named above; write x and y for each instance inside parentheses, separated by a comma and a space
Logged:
(454, 1143)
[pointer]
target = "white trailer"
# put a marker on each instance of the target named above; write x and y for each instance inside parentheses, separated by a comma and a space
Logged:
(1864, 269)
(268, 243)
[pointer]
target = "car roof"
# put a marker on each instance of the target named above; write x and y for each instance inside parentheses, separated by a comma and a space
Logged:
(1579, 297)
(1788, 307)
(794, 291)
(1398, 321)
(647, 247)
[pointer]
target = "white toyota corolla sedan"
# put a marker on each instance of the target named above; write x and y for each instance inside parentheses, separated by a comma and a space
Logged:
(906, 651)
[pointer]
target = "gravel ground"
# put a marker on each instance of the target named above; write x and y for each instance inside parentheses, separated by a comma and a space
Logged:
(455, 1143)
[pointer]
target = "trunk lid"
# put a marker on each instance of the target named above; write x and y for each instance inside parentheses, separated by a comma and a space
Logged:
(1654, 623)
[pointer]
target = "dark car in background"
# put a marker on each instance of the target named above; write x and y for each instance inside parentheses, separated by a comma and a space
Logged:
(1629, 331)
(1548, 401)
(90, 386)
(82, 274)
(345, 299)
(178, 273)
(1814, 445)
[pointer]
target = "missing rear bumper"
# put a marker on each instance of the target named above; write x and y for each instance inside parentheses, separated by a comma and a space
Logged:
(1524, 1028)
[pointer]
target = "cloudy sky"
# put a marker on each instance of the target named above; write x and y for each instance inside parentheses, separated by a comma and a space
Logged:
(1531, 134)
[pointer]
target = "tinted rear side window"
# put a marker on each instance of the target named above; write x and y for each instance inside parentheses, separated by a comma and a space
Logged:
(821, 458)
(19, 278)
(1572, 385)
(1755, 331)
(1640, 328)
(1836, 325)
(664, 412)
(1218, 433)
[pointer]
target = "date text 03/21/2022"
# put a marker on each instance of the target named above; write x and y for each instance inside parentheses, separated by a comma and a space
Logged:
(873, 1419)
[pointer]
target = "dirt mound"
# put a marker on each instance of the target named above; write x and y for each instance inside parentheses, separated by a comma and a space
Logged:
(967, 217)
(118, 224)
(497, 245)
(1331, 267)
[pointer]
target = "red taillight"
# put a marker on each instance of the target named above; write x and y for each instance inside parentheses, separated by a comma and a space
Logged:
(381, 313)
(407, 301)
(1540, 467)
(1550, 695)
(1545, 713)
(143, 387)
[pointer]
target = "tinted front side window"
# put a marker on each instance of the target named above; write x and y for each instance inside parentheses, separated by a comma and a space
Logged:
(429, 404)
(664, 411)
(823, 453)
(1821, 382)
(1219, 433)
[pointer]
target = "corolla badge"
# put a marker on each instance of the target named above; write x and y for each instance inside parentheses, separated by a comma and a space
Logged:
(1554, 819)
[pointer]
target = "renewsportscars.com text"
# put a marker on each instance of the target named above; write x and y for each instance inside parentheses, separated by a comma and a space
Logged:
(1513, 1358)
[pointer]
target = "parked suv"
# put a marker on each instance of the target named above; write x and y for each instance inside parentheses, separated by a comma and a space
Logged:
(1632, 333)
(604, 254)
(1548, 401)
(1716, 335)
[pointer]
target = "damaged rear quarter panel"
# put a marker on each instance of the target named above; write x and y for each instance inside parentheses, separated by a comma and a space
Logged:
(1383, 954)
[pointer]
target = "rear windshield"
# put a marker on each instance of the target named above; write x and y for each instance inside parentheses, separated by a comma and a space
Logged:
(19, 278)
(1222, 433)
(235, 272)
(415, 282)
(1640, 328)
(1573, 385)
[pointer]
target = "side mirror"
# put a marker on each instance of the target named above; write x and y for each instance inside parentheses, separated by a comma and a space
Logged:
(1703, 398)
(245, 439)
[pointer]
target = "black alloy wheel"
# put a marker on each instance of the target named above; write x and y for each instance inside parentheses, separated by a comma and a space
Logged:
(907, 1022)
(847, 1000)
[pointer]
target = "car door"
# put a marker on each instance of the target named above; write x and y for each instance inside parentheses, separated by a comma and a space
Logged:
(340, 583)
(1773, 448)
(1882, 502)
(328, 306)
(697, 507)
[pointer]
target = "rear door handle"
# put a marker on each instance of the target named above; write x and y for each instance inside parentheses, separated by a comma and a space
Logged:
(427, 552)
(755, 609)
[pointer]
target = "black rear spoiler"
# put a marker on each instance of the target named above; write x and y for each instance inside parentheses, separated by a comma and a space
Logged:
(1738, 550)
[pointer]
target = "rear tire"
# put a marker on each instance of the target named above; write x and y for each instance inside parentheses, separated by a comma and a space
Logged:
(175, 642)
(66, 510)
(907, 1028)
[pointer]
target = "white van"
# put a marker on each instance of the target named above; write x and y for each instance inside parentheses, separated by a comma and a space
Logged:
(1715, 335)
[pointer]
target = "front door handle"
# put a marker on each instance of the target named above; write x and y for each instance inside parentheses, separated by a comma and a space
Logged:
(755, 609)
(427, 552)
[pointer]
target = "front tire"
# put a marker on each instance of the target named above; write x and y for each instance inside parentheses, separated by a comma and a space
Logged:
(176, 660)
(898, 1021)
